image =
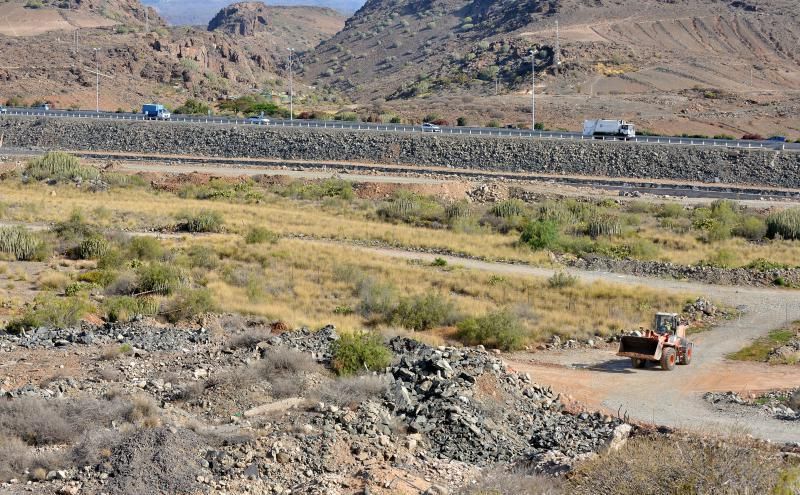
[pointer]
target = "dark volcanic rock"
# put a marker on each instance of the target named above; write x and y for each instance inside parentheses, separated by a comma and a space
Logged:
(244, 19)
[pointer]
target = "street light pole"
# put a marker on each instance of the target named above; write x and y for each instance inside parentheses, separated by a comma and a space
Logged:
(97, 85)
(533, 90)
(291, 87)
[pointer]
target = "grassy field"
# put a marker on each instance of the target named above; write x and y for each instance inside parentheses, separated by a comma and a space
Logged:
(243, 252)
(723, 234)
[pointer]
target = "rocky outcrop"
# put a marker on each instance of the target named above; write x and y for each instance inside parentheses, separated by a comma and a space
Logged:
(243, 19)
(684, 163)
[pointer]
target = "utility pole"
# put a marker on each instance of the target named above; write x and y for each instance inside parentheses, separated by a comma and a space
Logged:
(146, 20)
(291, 88)
(97, 86)
(556, 54)
(533, 90)
(76, 41)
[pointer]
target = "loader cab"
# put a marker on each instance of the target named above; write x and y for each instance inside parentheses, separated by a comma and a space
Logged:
(668, 323)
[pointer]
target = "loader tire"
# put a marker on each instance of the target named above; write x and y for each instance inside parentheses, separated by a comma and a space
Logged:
(668, 359)
(638, 363)
(687, 355)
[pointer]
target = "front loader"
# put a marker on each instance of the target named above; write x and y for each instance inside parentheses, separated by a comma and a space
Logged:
(666, 344)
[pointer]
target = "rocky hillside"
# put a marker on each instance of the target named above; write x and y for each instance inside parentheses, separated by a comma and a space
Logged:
(191, 12)
(301, 28)
(694, 53)
(27, 18)
(167, 64)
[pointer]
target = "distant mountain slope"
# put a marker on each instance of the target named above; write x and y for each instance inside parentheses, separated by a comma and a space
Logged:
(20, 18)
(411, 48)
(191, 12)
(301, 28)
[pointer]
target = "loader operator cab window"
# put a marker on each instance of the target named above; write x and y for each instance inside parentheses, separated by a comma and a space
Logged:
(664, 325)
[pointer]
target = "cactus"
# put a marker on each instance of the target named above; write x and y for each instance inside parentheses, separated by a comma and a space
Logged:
(603, 224)
(456, 210)
(20, 243)
(92, 248)
(402, 206)
(784, 224)
(556, 212)
(58, 165)
(508, 208)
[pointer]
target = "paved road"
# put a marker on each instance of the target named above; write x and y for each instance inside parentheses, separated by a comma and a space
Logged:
(365, 126)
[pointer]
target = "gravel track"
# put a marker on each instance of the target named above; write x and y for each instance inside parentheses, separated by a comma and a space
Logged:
(673, 398)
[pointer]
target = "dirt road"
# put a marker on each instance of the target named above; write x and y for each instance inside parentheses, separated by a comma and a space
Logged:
(599, 378)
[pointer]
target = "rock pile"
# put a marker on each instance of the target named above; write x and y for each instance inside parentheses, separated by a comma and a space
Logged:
(778, 404)
(140, 335)
(472, 409)
(701, 273)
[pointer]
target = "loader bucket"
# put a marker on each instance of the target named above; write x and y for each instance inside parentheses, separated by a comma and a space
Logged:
(640, 348)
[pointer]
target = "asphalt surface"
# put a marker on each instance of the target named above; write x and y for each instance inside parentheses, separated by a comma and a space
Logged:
(366, 127)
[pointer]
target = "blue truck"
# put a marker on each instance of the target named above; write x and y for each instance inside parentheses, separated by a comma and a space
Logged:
(155, 111)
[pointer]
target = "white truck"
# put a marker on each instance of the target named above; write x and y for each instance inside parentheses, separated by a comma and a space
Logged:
(600, 128)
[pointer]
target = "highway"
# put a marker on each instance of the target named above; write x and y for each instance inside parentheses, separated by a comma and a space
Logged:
(366, 126)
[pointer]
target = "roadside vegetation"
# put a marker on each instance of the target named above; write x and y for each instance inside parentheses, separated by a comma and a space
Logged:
(245, 259)
(764, 349)
(722, 234)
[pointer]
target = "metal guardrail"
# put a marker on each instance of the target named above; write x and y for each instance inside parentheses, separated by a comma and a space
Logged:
(468, 131)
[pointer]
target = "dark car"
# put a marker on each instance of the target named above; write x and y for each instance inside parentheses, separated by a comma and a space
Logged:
(777, 139)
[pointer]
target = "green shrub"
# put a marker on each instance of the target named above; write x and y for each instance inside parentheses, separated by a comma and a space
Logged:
(603, 224)
(57, 165)
(362, 351)
(671, 210)
(92, 248)
(500, 329)
(560, 280)
(187, 304)
(764, 265)
(126, 308)
(145, 248)
(423, 312)
(22, 244)
(722, 258)
(508, 208)
(193, 107)
(202, 221)
(158, 278)
(376, 298)
(260, 235)
(642, 249)
(202, 257)
(117, 179)
(49, 310)
(784, 224)
(328, 188)
(223, 189)
(751, 227)
(100, 278)
(76, 288)
(541, 234)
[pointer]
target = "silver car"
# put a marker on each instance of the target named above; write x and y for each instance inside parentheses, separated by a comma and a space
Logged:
(258, 119)
(428, 127)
